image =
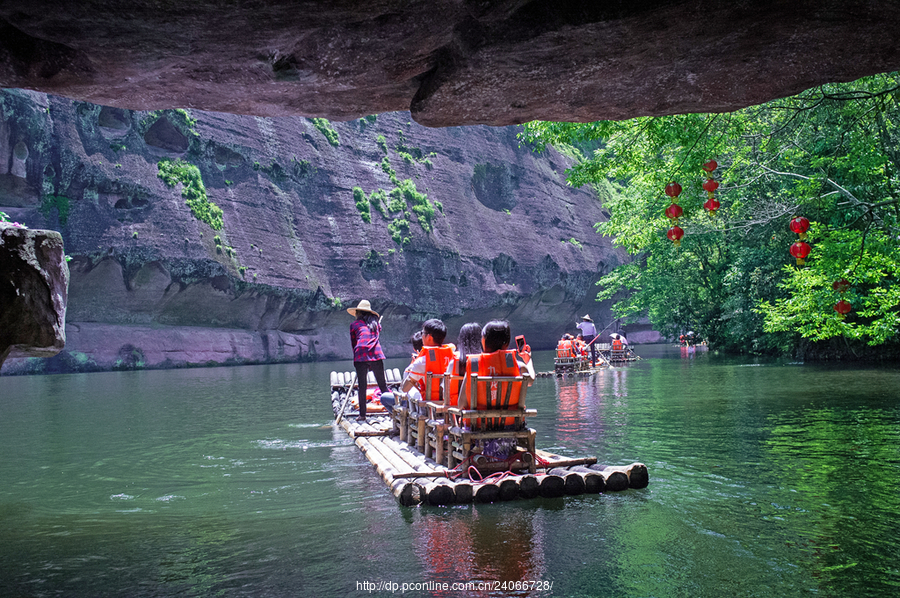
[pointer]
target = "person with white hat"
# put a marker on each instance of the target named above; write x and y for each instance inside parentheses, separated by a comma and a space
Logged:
(367, 354)
(587, 328)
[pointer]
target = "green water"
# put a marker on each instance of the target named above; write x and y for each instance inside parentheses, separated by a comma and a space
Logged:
(766, 479)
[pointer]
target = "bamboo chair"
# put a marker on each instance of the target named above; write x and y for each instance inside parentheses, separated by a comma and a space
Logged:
(469, 424)
(400, 415)
(417, 416)
(437, 421)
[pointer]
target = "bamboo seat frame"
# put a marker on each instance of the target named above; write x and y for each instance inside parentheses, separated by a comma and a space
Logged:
(467, 424)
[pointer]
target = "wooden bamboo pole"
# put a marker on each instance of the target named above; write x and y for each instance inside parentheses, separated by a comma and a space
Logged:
(574, 482)
(529, 486)
(440, 490)
(408, 493)
(487, 493)
(560, 461)
(593, 481)
(437, 492)
(509, 488)
(616, 481)
(551, 486)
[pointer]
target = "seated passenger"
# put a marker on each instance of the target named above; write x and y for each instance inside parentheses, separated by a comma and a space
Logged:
(388, 399)
(468, 343)
(498, 360)
(435, 357)
(564, 348)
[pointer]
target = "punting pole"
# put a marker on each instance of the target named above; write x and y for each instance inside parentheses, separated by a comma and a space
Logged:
(340, 414)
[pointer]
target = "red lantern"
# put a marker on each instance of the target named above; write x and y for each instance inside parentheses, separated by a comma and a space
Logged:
(841, 286)
(712, 204)
(675, 234)
(710, 166)
(674, 211)
(800, 250)
(843, 308)
(710, 185)
(800, 226)
(673, 189)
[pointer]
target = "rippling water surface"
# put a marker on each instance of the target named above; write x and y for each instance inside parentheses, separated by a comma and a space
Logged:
(766, 479)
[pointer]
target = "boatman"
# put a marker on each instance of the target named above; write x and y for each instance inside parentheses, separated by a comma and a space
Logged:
(586, 326)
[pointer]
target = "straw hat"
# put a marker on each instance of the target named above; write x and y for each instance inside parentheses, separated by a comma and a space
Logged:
(586, 317)
(364, 305)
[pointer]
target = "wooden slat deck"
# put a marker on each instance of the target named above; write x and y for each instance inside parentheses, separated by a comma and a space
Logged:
(415, 479)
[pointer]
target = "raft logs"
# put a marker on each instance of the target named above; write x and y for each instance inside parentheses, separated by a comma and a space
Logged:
(432, 487)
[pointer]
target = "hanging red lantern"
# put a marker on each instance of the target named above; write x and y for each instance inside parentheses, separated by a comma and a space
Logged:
(675, 234)
(674, 211)
(710, 185)
(843, 308)
(712, 204)
(710, 166)
(800, 250)
(841, 286)
(673, 189)
(800, 225)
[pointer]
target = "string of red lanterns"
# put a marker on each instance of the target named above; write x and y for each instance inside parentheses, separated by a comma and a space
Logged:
(710, 186)
(800, 249)
(673, 213)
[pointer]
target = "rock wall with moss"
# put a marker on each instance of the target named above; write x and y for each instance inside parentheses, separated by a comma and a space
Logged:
(206, 238)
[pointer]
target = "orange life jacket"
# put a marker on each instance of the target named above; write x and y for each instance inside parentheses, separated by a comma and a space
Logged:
(564, 349)
(436, 361)
(498, 363)
(617, 345)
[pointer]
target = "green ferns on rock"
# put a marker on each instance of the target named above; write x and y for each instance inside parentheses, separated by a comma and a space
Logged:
(58, 202)
(324, 127)
(362, 204)
(192, 189)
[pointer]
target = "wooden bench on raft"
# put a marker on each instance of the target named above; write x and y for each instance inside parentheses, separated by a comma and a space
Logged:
(466, 424)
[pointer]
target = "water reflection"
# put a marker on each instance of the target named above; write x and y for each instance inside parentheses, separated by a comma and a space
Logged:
(481, 544)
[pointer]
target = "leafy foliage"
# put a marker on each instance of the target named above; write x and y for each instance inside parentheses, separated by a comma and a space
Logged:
(831, 154)
(60, 203)
(362, 204)
(324, 127)
(193, 190)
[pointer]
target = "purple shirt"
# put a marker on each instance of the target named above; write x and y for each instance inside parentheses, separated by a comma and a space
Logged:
(365, 342)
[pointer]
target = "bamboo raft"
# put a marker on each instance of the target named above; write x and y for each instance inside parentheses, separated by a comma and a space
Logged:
(416, 479)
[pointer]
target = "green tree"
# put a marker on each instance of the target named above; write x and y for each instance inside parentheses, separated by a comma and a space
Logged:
(831, 154)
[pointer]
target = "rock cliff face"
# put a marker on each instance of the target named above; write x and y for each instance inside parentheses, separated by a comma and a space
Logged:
(451, 62)
(457, 223)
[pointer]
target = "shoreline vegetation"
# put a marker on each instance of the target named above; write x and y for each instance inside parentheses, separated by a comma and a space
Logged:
(734, 184)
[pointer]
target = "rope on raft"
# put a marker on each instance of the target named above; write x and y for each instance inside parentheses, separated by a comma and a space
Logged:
(466, 467)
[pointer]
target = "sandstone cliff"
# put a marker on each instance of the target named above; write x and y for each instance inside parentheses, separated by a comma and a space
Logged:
(201, 237)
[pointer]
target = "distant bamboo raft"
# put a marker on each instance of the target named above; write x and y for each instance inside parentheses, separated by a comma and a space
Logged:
(415, 479)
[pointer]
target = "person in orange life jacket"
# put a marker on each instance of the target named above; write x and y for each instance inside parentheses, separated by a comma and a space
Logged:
(367, 353)
(580, 346)
(467, 343)
(434, 357)
(564, 348)
(498, 360)
(587, 328)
